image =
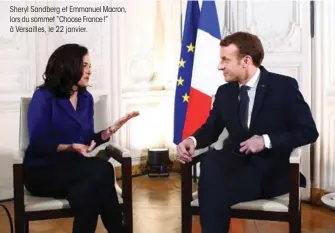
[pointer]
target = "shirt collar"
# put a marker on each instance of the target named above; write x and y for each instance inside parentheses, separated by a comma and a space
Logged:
(254, 79)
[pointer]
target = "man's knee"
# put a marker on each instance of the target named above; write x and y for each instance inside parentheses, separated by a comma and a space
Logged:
(210, 164)
(216, 199)
(207, 159)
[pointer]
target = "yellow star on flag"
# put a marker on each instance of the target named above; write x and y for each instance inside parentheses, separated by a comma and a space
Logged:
(190, 48)
(185, 97)
(182, 63)
(180, 81)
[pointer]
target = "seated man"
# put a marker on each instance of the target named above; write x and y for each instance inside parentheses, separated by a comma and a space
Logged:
(266, 118)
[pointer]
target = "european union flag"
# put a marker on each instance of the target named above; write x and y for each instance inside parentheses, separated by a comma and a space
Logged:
(185, 68)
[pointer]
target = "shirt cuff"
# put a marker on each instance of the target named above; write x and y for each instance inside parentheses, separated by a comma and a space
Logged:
(194, 140)
(267, 142)
(98, 140)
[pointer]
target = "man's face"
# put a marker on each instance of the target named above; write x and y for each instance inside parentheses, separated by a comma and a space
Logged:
(230, 64)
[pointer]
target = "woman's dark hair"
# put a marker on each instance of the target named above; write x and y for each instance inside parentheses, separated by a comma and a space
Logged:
(64, 70)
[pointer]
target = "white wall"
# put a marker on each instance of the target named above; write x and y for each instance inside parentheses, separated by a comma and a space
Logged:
(324, 94)
(147, 61)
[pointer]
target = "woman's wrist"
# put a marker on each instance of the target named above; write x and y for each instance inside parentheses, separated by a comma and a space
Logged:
(64, 147)
(106, 134)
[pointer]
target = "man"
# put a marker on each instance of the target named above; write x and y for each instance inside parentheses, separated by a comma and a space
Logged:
(266, 117)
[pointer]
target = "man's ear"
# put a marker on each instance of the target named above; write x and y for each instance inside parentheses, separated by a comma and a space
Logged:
(247, 60)
(244, 62)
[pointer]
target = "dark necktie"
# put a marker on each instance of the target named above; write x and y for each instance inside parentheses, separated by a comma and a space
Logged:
(243, 106)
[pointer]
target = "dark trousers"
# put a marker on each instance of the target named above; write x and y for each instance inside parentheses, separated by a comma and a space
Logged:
(225, 180)
(88, 185)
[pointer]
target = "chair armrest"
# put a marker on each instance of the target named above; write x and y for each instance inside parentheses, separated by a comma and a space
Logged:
(18, 189)
(124, 152)
(200, 151)
(198, 154)
(295, 156)
(122, 156)
(294, 192)
(117, 152)
(186, 185)
(18, 156)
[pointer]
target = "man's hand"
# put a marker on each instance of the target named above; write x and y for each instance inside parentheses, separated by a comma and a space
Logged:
(253, 145)
(185, 150)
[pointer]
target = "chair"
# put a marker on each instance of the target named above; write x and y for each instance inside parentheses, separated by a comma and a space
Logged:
(31, 208)
(285, 208)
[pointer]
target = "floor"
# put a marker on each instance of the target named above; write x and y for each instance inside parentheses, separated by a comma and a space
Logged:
(157, 210)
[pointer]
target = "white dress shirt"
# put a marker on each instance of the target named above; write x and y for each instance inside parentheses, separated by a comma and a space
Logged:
(252, 84)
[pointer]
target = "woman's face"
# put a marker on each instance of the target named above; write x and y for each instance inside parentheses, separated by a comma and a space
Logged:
(84, 81)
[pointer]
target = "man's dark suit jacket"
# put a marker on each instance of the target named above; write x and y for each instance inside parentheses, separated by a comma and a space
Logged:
(279, 111)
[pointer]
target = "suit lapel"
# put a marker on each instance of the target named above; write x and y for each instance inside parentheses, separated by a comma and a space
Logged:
(261, 90)
(66, 105)
(82, 108)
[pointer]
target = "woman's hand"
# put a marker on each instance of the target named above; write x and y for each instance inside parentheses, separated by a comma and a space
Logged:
(83, 149)
(118, 124)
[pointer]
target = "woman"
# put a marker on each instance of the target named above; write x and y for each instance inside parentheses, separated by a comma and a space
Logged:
(61, 132)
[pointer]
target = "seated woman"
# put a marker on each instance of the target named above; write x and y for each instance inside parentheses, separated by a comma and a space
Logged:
(61, 132)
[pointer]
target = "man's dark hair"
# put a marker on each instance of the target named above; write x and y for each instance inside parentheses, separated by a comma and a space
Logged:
(248, 44)
(64, 70)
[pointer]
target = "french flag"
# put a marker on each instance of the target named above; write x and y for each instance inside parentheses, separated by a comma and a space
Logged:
(198, 76)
